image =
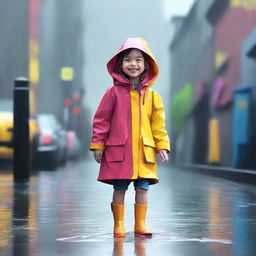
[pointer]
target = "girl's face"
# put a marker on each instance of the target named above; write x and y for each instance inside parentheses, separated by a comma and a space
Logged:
(133, 65)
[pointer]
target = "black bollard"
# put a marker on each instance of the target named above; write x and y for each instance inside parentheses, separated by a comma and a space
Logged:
(21, 130)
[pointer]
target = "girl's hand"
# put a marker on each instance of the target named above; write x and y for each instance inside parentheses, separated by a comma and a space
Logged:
(164, 155)
(98, 155)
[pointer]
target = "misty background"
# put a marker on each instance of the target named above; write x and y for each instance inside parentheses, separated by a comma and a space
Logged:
(110, 23)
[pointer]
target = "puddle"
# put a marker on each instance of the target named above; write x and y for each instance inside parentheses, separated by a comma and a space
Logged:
(157, 238)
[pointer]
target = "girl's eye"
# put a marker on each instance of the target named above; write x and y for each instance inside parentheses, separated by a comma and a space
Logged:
(126, 59)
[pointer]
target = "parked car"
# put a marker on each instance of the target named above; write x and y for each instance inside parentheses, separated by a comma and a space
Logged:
(74, 145)
(52, 143)
(6, 131)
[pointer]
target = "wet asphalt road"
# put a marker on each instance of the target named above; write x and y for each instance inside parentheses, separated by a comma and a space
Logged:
(66, 212)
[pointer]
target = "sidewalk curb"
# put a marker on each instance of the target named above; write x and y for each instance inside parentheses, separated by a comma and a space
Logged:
(239, 175)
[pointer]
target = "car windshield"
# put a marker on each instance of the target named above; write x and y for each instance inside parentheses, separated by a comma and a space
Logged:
(47, 121)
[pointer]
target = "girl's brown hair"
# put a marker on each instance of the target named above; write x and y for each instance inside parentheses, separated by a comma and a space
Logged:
(119, 61)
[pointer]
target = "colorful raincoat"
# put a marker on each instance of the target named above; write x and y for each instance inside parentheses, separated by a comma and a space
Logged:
(129, 125)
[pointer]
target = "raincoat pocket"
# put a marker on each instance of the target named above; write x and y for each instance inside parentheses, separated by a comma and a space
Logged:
(149, 150)
(115, 151)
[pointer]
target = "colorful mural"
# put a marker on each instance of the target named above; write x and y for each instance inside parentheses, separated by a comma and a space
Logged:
(223, 64)
(181, 106)
(230, 31)
(34, 10)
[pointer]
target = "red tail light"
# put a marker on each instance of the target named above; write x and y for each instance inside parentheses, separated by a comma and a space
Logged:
(47, 139)
(76, 97)
(67, 102)
(76, 110)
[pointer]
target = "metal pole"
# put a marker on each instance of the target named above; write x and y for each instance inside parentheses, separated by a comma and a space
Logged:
(76, 111)
(21, 166)
(67, 91)
(67, 75)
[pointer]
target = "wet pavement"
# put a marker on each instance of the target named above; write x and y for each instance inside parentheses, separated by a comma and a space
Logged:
(66, 212)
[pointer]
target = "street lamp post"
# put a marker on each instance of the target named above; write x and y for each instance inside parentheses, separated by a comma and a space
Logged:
(67, 75)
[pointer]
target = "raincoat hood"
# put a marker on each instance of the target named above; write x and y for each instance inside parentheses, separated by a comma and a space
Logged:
(140, 44)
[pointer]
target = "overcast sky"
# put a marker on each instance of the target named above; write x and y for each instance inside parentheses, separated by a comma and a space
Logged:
(174, 7)
(111, 24)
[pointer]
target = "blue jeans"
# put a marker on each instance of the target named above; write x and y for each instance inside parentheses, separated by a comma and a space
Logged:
(139, 183)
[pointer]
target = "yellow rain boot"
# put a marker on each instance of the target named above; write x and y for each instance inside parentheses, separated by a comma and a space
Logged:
(140, 212)
(118, 215)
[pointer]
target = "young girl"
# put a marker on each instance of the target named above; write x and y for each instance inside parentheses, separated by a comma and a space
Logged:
(129, 129)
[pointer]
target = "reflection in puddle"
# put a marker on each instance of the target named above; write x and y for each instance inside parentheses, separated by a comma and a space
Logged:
(5, 209)
(20, 213)
(140, 243)
(220, 221)
(118, 243)
(118, 247)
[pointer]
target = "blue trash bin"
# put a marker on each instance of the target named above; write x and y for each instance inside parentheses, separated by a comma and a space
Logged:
(241, 125)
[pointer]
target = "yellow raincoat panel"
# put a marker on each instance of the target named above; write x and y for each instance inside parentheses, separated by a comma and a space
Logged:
(149, 133)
